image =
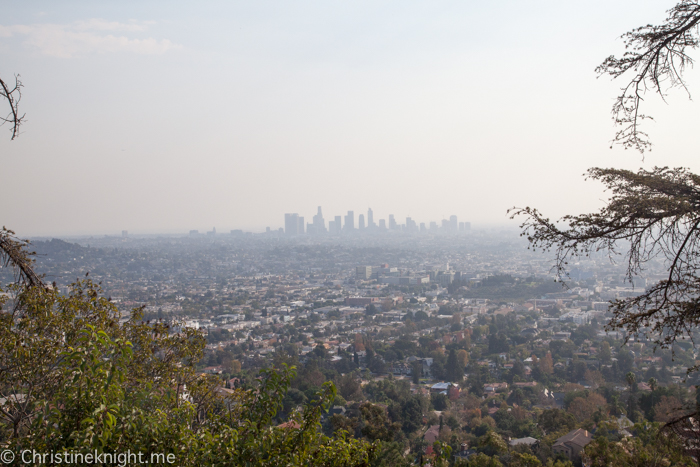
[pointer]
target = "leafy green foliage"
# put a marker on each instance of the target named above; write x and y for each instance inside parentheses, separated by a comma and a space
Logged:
(81, 382)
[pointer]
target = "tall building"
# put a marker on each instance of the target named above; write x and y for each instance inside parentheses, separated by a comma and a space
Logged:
(370, 218)
(291, 224)
(319, 224)
(350, 221)
(382, 224)
(411, 225)
(361, 222)
(300, 225)
(392, 222)
(363, 272)
(338, 226)
(453, 224)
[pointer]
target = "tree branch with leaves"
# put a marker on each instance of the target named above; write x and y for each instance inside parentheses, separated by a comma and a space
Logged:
(651, 215)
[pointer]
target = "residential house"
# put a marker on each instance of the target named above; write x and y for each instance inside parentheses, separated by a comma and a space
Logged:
(572, 443)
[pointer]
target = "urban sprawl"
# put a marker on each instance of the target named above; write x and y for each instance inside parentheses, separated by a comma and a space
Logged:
(429, 332)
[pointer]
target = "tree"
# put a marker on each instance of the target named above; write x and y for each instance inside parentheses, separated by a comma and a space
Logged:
(583, 408)
(524, 460)
(480, 460)
(546, 364)
(657, 57)
(462, 358)
(439, 401)
(605, 354)
(652, 214)
(76, 379)
(455, 372)
(553, 420)
(492, 444)
(12, 94)
(377, 425)
(667, 409)
(416, 370)
(650, 447)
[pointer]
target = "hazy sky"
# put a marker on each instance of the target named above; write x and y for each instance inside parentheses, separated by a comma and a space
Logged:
(170, 116)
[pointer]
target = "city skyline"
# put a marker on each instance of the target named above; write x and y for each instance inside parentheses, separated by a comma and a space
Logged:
(294, 224)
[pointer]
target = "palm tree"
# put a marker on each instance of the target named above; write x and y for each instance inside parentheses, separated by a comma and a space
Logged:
(616, 407)
(653, 384)
(632, 402)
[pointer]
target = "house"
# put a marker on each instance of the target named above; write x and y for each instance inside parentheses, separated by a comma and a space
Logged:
(464, 452)
(644, 387)
(529, 332)
(440, 388)
(401, 368)
(431, 434)
(528, 441)
(337, 410)
(572, 443)
(427, 363)
(494, 387)
(525, 384)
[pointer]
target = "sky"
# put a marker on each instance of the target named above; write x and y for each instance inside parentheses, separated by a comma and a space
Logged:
(162, 117)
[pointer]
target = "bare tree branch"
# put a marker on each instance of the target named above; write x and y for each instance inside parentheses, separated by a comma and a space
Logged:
(657, 55)
(13, 95)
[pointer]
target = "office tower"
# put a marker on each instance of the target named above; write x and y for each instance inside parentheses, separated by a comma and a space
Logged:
(392, 222)
(363, 272)
(422, 227)
(453, 223)
(445, 225)
(338, 225)
(467, 225)
(331, 226)
(291, 224)
(433, 226)
(382, 224)
(411, 225)
(361, 222)
(300, 228)
(350, 221)
(319, 224)
(370, 218)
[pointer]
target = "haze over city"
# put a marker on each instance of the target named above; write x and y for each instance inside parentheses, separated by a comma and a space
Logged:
(345, 234)
(159, 118)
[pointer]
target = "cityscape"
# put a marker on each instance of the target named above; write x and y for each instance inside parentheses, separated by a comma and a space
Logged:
(380, 315)
(349, 234)
(340, 225)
